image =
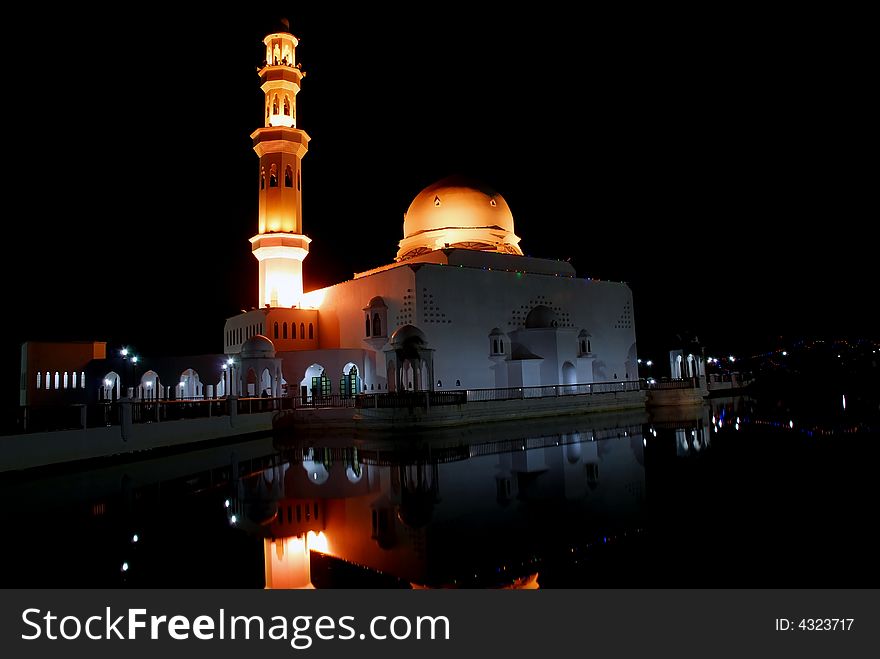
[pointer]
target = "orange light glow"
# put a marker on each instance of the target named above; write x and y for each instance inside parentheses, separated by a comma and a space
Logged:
(287, 563)
(313, 299)
(318, 542)
(282, 120)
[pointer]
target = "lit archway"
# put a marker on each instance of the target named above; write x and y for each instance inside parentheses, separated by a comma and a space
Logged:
(250, 385)
(569, 374)
(266, 383)
(110, 387)
(150, 386)
(351, 381)
(314, 383)
(189, 385)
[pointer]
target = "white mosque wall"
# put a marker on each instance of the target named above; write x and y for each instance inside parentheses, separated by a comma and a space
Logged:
(471, 302)
(457, 308)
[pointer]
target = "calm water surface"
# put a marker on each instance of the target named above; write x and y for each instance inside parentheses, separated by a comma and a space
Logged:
(737, 493)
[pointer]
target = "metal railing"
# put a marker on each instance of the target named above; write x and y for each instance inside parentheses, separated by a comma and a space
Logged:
(551, 391)
(41, 419)
(327, 400)
(684, 383)
(409, 399)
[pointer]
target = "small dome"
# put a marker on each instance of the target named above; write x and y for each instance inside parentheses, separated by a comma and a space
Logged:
(258, 347)
(408, 335)
(496, 332)
(584, 334)
(461, 213)
(377, 302)
(541, 317)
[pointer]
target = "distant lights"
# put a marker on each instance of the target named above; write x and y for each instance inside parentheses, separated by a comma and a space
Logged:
(790, 424)
(224, 367)
(230, 361)
(106, 382)
(135, 538)
(226, 503)
(785, 353)
(639, 361)
(124, 352)
(125, 566)
(844, 401)
(233, 519)
(732, 358)
(649, 363)
(134, 360)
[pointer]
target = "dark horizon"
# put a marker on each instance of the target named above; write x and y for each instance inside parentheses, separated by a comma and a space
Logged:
(738, 150)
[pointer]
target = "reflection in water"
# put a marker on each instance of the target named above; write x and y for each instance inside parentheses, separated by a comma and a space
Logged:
(447, 509)
(577, 501)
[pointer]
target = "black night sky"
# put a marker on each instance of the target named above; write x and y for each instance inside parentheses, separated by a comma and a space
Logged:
(719, 164)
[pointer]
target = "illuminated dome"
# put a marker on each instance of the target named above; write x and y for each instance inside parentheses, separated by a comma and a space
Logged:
(457, 212)
(258, 347)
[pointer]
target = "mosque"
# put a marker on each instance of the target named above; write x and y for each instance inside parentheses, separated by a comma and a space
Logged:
(460, 307)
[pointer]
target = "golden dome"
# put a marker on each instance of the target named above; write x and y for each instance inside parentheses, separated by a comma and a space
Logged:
(457, 212)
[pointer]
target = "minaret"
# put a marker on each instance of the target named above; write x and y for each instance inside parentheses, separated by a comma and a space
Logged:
(279, 245)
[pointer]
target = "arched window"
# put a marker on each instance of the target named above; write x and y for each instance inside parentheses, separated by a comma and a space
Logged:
(275, 104)
(48, 380)
(73, 380)
(495, 346)
(57, 380)
(583, 345)
(65, 379)
(302, 331)
(501, 343)
(276, 329)
(588, 346)
(284, 330)
(288, 177)
(262, 179)
(366, 331)
(39, 379)
(311, 331)
(273, 176)
(377, 325)
(439, 384)
(458, 383)
(82, 380)
(287, 106)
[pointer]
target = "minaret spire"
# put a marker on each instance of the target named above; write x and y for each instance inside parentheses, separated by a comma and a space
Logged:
(280, 245)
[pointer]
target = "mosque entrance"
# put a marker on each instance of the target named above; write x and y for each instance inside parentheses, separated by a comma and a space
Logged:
(350, 384)
(315, 383)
